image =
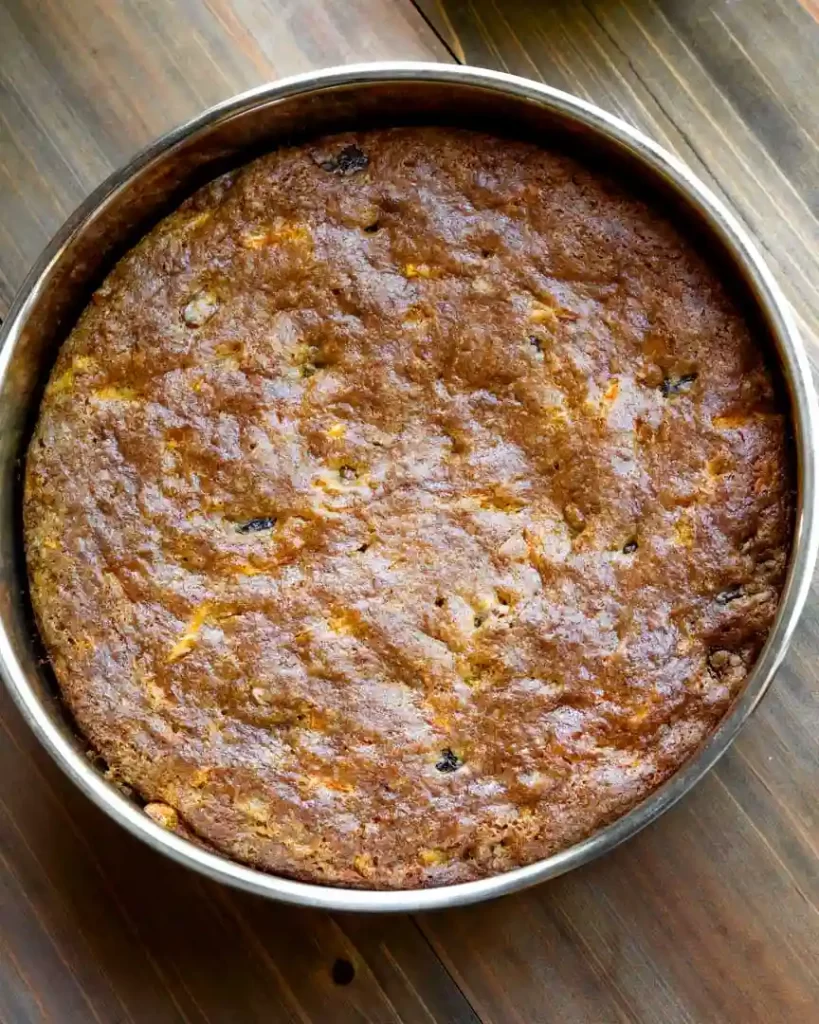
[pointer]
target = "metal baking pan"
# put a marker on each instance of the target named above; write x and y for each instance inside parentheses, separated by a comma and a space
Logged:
(134, 198)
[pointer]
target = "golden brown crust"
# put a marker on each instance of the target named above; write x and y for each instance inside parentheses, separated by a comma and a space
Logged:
(405, 507)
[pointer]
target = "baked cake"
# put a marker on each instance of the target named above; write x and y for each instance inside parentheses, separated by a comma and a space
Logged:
(405, 507)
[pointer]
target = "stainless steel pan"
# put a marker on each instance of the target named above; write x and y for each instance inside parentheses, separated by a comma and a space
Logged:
(132, 199)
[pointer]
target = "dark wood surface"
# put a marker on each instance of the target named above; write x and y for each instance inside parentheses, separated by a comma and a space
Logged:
(708, 916)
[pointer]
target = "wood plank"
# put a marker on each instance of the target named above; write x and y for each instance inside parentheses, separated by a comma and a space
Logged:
(652, 64)
(86, 84)
(711, 914)
(95, 919)
(436, 14)
(94, 926)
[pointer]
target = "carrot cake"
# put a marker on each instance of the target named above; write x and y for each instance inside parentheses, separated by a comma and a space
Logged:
(407, 506)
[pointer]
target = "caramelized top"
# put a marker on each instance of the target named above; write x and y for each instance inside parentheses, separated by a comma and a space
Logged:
(405, 507)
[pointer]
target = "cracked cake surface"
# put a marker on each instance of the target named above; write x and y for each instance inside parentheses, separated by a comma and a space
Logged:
(405, 507)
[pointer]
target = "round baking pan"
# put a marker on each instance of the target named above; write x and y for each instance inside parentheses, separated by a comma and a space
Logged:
(154, 182)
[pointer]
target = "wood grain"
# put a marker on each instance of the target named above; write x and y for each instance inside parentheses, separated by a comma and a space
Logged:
(87, 83)
(712, 914)
(93, 926)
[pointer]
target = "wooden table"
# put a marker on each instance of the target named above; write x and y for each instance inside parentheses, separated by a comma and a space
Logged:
(708, 916)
